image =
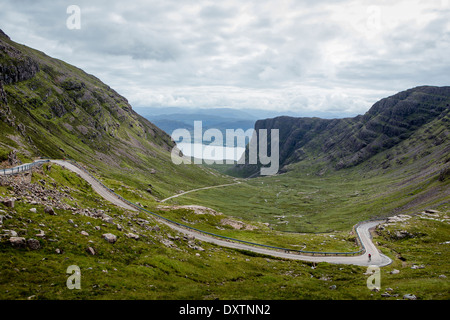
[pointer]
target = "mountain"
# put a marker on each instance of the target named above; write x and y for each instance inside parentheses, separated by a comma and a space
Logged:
(344, 143)
(49, 108)
(172, 118)
(58, 235)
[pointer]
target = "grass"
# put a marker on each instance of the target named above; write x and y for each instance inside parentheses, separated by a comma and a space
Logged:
(262, 234)
(310, 198)
(148, 269)
(427, 248)
(68, 113)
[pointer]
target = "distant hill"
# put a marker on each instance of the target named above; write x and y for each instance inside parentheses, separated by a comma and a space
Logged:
(343, 143)
(172, 118)
(219, 118)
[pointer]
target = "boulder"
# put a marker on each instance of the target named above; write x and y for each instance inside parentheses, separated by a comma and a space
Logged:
(108, 219)
(409, 297)
(10, 233)
(173, 238)
(49, 210)
(189, 237)
(402, 234)
(90, 250)
(132, 236)
(9, 202)
(109, 237)
(168, 243)
(18, 242)
(41, 234)
(395, 271)
(192, 245)
(33, 244)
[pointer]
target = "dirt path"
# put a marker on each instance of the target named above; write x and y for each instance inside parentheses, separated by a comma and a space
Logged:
(363, 230)
(205, 188)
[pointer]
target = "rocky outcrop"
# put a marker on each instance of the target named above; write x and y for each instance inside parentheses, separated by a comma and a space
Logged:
(15, 66)
(5, 111)
(51, 199)
(3, 99)
(12, 159)
(236, 224)
(343, 143)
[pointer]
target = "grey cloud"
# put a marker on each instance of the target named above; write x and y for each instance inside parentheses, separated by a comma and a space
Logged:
(218, 12)
(253, 53)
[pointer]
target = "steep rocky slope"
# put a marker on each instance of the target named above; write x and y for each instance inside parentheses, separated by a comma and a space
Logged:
(45, 99)
(343, 143)
(49, 108)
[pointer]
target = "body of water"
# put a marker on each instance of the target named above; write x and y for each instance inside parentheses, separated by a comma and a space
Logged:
(208, 152)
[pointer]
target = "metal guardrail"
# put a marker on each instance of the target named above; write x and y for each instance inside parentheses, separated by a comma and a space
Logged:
(22, 168)
(286, 250)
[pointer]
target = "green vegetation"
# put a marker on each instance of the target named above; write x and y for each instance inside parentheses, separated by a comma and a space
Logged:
(394, 160)
(163, 265)
(59, 111)
(303, 202)
(421, 255)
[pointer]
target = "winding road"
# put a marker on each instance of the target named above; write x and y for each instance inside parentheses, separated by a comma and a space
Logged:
(363, 229)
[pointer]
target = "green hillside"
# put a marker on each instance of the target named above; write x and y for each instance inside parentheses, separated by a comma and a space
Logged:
(335, 173)
(51, 109)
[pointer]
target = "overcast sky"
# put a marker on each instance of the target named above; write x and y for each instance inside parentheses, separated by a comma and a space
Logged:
(299, 55)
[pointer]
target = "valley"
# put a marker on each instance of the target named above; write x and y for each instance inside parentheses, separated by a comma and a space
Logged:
(390, 165)
(190, 264)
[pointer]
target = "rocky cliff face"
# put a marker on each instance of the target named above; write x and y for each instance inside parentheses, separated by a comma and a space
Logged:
(342, 143)
(14, 65)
